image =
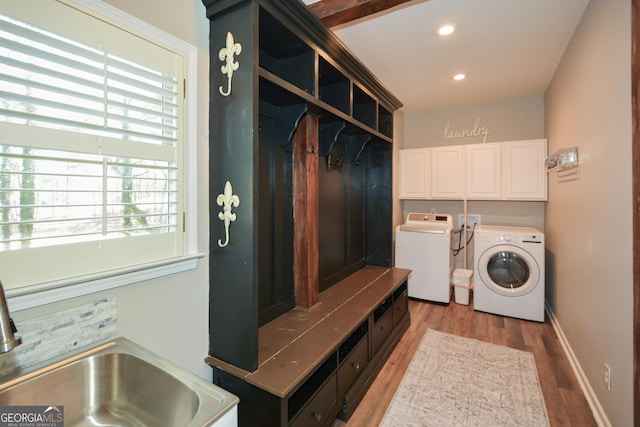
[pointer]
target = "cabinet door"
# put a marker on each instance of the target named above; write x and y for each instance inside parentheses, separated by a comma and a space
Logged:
(447, 172)
(525, 177)
(484, 171)
(415, 173)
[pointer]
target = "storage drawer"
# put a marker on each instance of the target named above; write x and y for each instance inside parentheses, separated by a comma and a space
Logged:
(382, 309)
(400, 308)
(322, 409)
(349, 371)
(381, 331)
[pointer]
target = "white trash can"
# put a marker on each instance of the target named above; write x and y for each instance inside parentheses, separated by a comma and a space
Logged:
(462, 283)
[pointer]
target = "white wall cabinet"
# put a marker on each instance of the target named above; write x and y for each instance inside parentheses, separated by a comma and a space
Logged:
(511, 170)
(415, 173)
(525, 177)
(447, 172)
(484, 171)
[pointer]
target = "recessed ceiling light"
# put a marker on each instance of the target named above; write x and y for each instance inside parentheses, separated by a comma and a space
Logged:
(459, 77)
(445, 30)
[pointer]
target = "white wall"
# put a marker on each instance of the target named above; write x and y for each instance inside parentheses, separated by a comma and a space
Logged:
(170, 316)
(589, 216)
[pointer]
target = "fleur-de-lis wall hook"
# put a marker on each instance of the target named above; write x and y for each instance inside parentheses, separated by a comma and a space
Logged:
(227, 200)
(227, 54)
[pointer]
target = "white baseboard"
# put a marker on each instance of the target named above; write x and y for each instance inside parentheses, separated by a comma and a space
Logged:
(598, 412)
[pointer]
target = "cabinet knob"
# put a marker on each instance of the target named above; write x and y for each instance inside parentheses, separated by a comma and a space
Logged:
(356, 365)
(316, 416)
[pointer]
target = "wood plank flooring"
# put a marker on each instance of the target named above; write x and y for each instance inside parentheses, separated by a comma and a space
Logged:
(566, 404)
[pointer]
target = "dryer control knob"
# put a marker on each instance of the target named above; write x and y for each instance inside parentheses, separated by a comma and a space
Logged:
(507, 237)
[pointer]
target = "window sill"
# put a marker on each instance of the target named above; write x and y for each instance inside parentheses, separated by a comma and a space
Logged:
(46, 293)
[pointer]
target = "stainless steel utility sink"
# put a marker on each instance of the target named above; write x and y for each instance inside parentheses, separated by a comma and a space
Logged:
(118, 383)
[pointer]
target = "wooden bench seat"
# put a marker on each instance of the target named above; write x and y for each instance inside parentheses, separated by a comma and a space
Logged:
(301, 352)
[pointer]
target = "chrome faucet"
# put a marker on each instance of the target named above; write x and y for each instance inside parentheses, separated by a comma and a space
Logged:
(8, 341)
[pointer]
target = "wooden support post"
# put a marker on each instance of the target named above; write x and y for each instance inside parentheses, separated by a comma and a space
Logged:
(305, 259)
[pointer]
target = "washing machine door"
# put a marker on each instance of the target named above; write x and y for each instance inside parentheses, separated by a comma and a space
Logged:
(508, 270)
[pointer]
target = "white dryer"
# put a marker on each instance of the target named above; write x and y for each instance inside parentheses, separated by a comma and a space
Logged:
(423, 245)
(509, 276)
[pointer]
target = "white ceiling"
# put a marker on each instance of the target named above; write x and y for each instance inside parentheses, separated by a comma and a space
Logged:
(507, 48)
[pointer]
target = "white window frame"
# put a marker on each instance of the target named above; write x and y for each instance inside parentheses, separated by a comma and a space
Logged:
(32, 296)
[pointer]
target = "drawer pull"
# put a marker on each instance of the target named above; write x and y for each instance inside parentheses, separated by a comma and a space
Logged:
(316, 416)
(356, 366)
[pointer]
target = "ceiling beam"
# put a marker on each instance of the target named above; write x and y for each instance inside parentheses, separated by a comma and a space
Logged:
(336, 12)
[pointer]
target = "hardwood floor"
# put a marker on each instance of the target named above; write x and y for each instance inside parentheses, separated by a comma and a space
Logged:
(566, 404)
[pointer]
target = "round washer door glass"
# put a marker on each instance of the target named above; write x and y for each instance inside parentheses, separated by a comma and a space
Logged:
(508, 270)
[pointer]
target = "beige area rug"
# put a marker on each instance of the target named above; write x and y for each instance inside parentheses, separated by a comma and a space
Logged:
(457, 381)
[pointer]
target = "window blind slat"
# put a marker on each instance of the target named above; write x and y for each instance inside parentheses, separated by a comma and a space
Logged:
(56, 90)
(92, 129)
(60, 108)
(152, 125)
(30, 69)
(137, 85)
(141, 72)
(49, 39)
(40, 57)
(164, 112)
(150, 103)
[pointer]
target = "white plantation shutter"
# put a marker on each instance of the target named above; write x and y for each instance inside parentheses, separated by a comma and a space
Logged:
(91, 143)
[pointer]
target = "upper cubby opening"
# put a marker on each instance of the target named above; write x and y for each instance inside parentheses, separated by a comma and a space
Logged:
(334, 87)
(364, 107)
(284, 54)
(385, 121)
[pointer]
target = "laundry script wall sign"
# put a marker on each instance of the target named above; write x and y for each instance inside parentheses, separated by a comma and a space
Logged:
(476, 131)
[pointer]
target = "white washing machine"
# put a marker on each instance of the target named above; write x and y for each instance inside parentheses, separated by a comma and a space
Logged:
(509, 271)
(423, 245)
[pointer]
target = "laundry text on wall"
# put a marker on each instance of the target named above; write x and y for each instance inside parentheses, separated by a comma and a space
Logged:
(476, 131)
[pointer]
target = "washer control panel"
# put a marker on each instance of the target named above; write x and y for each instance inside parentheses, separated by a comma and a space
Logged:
(430, 221)
(509, 235)
(425, 217)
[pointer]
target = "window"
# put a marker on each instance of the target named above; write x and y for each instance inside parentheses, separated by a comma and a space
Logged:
(92, 146)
